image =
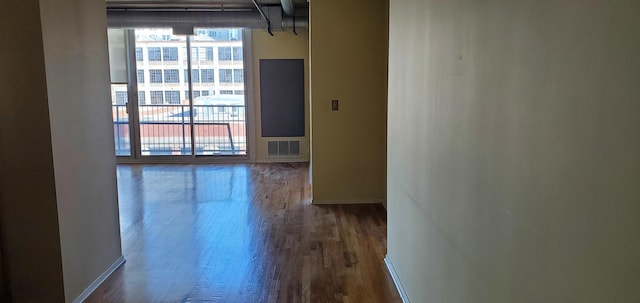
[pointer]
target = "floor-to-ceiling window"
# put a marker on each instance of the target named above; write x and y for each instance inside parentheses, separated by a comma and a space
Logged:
(164, 108)
(218, 100)
(190, 95)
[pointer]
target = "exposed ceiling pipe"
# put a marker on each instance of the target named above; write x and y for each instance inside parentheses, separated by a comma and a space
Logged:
(131, 19)
(287, 7)
(149, 19)
(266, 19)
(298, 22)
(295, 22)
(186, 4)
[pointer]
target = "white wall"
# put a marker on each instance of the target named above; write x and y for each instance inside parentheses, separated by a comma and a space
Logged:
(77, 72)
(514, 150)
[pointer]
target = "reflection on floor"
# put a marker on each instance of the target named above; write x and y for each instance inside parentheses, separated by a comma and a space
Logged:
(242, 233)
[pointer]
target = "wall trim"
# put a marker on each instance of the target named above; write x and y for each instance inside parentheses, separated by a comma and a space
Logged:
(396, 279)
(93, 286)
(249, 95)
(370, 201)
(283, 160)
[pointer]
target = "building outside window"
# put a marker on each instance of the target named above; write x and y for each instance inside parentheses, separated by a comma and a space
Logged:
(156, 97)
(172, 97)
(154, 54)
(121, 97)
(238, 76)
(171, 76)
(196, 75)
(209, 53)
(226, 75)
(237, 53)
(196, 94)
(224, 53)
(140, 76)
(203, 50)
(161, 56)
(142, 97)
(194, 54)
(207, 75)
(139, 54)
(155, 76)
(170, 53)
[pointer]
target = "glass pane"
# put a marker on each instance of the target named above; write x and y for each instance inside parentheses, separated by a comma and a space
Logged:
(117, 55)
(218, 91)
(119, 99)
(165, 126)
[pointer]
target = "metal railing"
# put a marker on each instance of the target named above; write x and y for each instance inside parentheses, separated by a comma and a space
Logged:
(166, 129)
(121, 130)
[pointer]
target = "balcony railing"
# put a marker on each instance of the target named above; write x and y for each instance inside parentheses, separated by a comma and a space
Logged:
(166, 129)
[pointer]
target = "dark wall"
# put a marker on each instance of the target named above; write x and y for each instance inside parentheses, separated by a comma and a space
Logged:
(4, 283)
(282, 97)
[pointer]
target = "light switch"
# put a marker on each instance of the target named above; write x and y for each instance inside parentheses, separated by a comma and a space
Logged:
(335, 105)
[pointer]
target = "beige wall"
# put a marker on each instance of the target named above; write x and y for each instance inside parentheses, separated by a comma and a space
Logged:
(348, 63)
(513, 154)
(76, 58)
(28, 215)
(282, 45)
(59, 199)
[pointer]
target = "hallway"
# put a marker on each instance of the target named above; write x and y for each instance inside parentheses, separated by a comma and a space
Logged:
(242, 233)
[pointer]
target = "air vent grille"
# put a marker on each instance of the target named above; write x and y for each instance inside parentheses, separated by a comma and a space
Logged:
(283, 148)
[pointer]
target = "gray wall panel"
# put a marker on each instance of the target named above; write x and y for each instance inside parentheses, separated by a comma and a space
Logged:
(282, 97)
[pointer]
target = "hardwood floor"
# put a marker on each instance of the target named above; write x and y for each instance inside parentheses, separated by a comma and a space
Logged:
(243, 233)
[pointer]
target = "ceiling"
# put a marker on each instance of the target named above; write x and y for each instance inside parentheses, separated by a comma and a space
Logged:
(267, 14)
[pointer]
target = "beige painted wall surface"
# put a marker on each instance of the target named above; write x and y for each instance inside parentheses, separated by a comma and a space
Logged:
(76, 58)
(283, 45)
(348, 63)
(514, 150)
(31, 243)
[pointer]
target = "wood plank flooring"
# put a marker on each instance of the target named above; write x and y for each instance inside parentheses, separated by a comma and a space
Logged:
(243, 233)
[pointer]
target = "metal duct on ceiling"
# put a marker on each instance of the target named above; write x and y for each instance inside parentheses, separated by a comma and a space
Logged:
(142, 18)
(287, 7)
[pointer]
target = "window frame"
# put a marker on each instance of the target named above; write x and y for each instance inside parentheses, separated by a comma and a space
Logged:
(157, 54)
(204, 79)
(171, 75)
(154, 74)
(223, 76)
(168, 53)
(170, 95)
(224, 53)
(154, 94)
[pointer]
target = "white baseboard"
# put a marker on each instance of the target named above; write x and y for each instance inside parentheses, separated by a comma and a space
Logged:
(373, 201)
(93, 286)
(396, 280)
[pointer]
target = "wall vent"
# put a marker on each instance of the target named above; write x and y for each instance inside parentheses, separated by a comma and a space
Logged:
(283, 148)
